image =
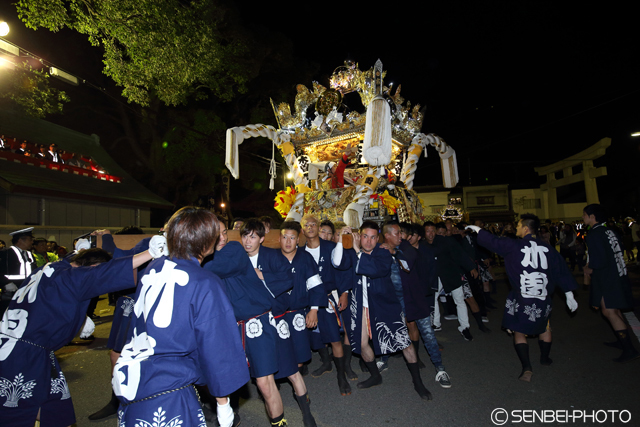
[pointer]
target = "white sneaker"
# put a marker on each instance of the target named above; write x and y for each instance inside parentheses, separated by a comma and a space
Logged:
(485, 319)
(382, 366)
(450, 317)
(443, 379)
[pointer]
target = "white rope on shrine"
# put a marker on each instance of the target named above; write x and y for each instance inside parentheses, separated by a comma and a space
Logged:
(447, 155)
(235, 137)
(361, 198)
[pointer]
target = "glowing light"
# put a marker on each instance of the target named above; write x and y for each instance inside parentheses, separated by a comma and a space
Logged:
(635, 134)
(4, 29)
(289, 175)
(63, 75)
(6, 63)
(222, 205)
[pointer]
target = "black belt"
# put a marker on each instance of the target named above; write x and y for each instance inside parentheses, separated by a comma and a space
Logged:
(161, 394)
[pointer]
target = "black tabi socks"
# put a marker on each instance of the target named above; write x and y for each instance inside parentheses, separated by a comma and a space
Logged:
(278, 421)
(417, 382)
(629, 352)
(304, 403)
(109, 409)
(363, 366)
(346, 349)
(326, 363)
(523, 354)
(478, 317)
(375, 378)
(343, 384)
(545, 349)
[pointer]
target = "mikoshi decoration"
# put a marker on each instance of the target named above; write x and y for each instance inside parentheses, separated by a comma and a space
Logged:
(388, 137)
(452, 212)
(388, 201)
(284, 201)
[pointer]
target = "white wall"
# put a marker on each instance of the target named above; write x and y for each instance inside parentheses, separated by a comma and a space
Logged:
(434, 201)
(64, 219)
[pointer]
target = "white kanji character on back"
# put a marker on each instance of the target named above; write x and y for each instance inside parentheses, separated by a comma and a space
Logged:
(533, 285)
(531, 255)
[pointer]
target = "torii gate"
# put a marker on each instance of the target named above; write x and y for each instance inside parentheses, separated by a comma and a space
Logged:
(588, 175)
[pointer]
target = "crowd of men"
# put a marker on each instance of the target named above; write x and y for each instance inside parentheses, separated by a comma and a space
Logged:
(370, 292)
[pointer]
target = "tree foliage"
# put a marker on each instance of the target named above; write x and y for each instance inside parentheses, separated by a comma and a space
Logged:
(30, 91)
(169, 49)
(189, 160)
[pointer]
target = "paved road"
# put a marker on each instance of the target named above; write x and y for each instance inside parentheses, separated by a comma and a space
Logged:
(484, 374)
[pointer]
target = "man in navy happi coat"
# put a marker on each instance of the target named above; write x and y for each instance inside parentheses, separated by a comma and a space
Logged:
(328, 330)
(45, 313)
(610, 288)
(376, 313)
(534, 269)
(180, 318)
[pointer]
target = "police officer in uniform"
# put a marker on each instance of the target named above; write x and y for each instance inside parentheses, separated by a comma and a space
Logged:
(16, 264)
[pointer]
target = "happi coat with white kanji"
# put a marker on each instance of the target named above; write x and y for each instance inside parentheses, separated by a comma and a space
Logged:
(183, 332)
(46, 312)
(534, 269)
(609, 279)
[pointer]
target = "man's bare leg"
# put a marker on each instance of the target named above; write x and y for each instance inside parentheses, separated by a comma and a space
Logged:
(271, 395)
(298, 384)
(410, 354)
(368, 356)
(300, 391)
(614, 316)
(336, 347)
(414, 333)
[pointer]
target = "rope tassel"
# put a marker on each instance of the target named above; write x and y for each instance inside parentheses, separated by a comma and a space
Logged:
(376, 148)
(272, 167)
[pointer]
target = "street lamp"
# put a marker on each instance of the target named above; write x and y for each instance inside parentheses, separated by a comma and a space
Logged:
(635, 134)
(4, 29)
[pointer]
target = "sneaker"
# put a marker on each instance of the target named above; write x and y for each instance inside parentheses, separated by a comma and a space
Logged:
(485, 319)
(382, 366)
(443, 379)
(466, 334)
(436, 328)
(450, 317)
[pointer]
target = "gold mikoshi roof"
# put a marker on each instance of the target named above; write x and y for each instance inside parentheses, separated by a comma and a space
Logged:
(328, 125)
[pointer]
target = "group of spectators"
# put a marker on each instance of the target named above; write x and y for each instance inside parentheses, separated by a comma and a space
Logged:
(43, 250)
(48, 152)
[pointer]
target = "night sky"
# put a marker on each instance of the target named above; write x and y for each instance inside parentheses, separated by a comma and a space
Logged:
(510, 85)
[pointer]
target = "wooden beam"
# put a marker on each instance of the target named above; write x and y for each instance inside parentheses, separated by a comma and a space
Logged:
(128, 241)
